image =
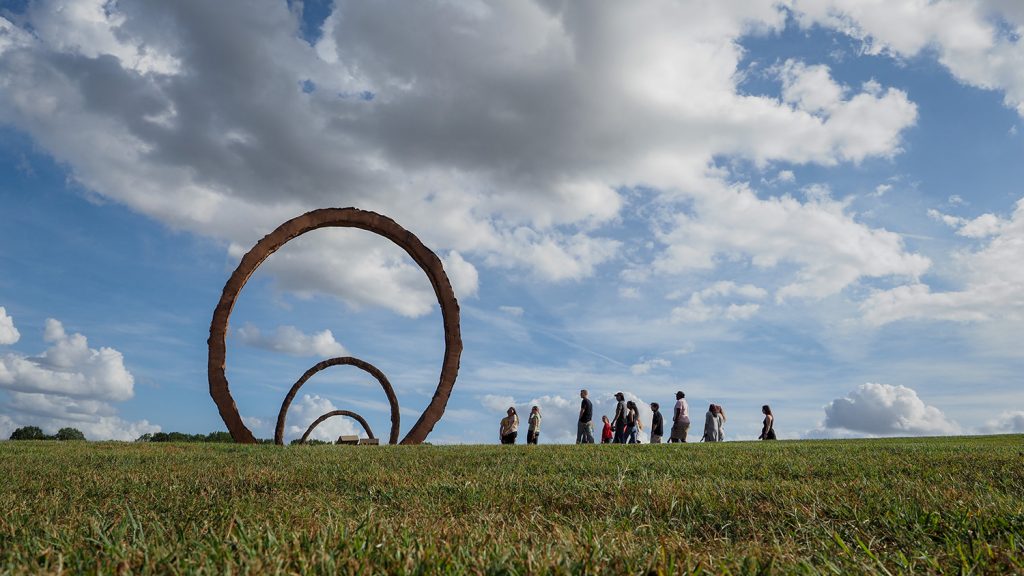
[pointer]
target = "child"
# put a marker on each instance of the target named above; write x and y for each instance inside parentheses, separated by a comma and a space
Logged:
(606, 433)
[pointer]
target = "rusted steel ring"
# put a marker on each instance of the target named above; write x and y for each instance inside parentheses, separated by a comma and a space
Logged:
(336, 217)
(348, 413)
(341, 360)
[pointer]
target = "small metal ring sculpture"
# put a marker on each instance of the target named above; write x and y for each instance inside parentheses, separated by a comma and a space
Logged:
(342, 360)
(332, 413)
(336, 217)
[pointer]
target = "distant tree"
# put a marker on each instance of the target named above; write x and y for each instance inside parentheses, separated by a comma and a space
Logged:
(147, 437)
(29, 433)
(220, 436)
(70, 434)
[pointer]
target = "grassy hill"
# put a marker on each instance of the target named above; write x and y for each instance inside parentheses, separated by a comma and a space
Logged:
(899, 505)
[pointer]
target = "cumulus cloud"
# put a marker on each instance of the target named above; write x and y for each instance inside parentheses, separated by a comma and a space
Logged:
(8, 333)
(992, 283)
(70, 384)
(646, 366)
(308, 408)
(698, 308)
(830, 248)
(292, 341)
(885, 410)
(978, 42)
(501, 134)
(1009, 422)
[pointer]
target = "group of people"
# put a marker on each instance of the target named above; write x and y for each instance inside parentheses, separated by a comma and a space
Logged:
(625, 425)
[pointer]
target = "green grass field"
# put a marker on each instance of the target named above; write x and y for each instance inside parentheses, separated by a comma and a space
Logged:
(953, 505)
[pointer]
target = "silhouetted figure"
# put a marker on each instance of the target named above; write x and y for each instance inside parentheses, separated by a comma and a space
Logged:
(768, 426)
(657, 424)
(585, 427)
(680, 419)
(619, 419)
(509, 428)
(534, 430)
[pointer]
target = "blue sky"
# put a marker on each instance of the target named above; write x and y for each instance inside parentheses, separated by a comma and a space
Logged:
(812, 205)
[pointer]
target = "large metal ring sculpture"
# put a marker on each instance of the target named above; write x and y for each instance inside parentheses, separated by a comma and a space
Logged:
(342, 360)
(323, 218)
(333, 413)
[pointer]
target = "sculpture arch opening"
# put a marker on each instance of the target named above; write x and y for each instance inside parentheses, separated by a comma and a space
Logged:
(324, 218)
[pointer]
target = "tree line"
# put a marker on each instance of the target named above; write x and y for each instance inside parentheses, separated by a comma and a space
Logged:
(36, 433)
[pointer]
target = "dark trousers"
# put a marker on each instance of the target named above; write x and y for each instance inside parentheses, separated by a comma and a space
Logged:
(509, 438)
(620, 435)
(531, 437)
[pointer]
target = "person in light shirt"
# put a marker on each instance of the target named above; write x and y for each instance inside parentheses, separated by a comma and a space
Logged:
(509, 428)
(680, 419)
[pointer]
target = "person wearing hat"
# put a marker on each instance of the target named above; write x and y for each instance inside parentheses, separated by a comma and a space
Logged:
(680, 419)
(619, 420)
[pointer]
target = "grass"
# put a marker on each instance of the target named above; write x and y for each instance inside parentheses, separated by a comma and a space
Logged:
(950, 505)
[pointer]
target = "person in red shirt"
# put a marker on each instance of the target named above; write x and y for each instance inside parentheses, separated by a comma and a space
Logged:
(606, 433)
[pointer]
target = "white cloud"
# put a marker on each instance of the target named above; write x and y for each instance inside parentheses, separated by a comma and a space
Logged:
(993, 285)
(830, 249)
(629, 292)
(292, 341)
(515, 311)
(646, 366)
(1009, 422)
(967, 37)
(68, 368)
(70, 384)
(698, 309)
(515, 164)
(885, 410)
(308, 408)
(8, 333)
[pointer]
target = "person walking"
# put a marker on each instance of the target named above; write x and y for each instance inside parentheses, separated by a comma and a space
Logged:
(657, 424)
(680, 419)
(720, 420)
(606, 431)
(534, 430)
(585, 426)
(711, 425)
(619, 419)
(633, 423)
(509, 428)
(768, 425)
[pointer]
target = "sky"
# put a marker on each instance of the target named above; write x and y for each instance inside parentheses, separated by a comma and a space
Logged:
(815, 205)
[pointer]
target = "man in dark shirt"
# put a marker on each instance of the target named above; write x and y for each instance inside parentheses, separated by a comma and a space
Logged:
(657, 424)
(619, 421)
(585, 428)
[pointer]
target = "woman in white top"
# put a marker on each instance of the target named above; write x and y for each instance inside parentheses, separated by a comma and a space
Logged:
(680, 419)
(509, 428)
(534, 430)
(720, 417)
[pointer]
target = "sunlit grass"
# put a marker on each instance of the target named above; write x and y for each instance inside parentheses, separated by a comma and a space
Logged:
(902, 506)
